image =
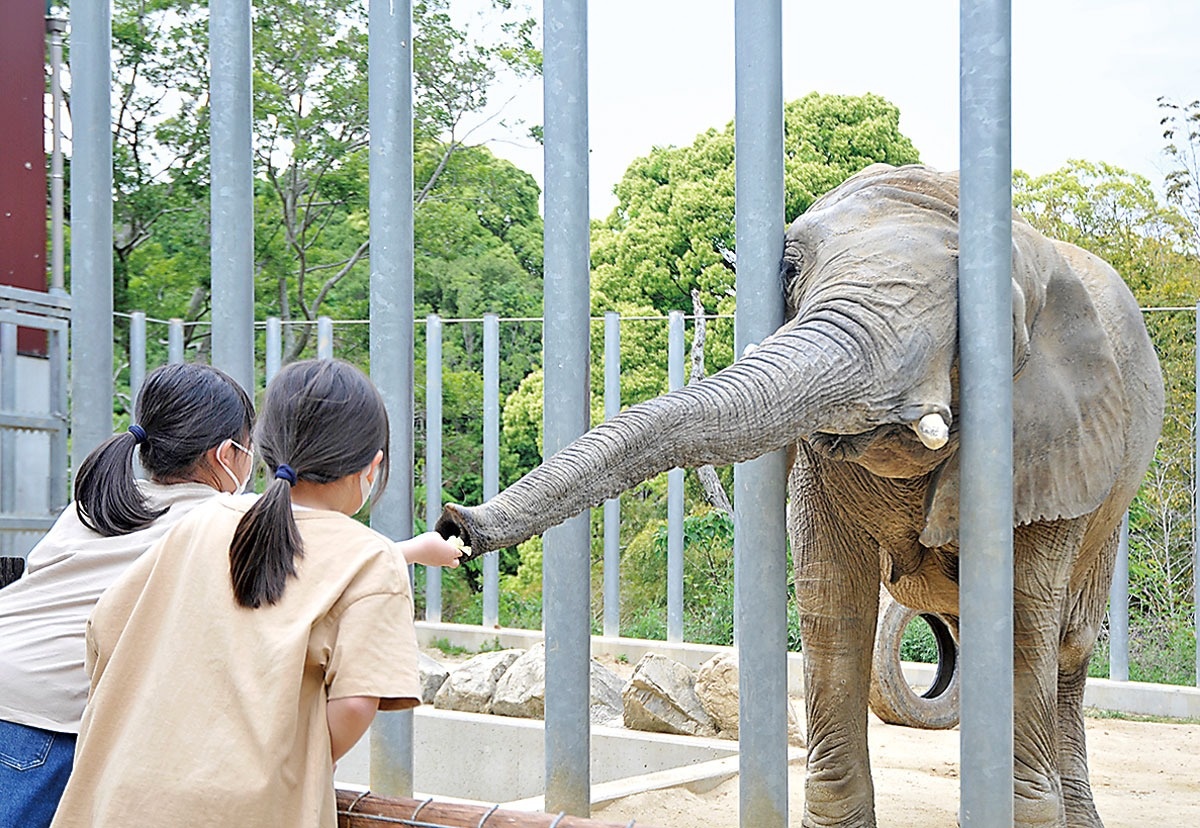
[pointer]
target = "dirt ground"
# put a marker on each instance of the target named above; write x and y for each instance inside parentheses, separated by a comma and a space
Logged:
(1143, 774)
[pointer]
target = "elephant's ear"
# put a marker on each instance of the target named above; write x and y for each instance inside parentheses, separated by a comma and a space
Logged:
(1068, 408)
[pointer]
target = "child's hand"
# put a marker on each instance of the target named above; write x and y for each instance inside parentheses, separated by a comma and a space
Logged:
(431, 549)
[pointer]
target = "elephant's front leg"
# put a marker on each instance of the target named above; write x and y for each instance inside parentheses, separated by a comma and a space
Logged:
(837, 587)
(1042, 554)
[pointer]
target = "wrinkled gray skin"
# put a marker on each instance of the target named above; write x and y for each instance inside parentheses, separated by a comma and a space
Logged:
(870, 274)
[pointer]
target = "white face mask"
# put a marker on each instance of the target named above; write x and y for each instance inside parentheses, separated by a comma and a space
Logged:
(365, 486)
(238, 486)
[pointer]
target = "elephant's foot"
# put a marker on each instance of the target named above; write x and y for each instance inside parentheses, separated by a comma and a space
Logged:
(856, 818)
(1043, 810)
(840, 803)
(1081, 810)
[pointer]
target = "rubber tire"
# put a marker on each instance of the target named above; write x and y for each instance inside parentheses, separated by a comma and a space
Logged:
(10, 570)
(890, 697)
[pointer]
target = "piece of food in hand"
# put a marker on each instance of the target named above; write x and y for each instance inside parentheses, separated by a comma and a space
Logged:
(456, 541)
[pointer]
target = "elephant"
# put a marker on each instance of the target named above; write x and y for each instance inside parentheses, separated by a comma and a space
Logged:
(860, 386)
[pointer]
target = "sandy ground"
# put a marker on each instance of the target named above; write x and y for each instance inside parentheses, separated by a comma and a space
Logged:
(1143, 774)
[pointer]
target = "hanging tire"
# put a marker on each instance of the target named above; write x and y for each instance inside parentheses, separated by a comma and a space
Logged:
(891, 697)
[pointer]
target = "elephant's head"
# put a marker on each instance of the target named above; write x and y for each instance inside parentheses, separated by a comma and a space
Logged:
(865, 371)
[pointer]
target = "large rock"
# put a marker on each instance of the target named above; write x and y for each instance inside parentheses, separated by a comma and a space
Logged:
(717, 689)
(432, 676)
(521, 691)
(470, 687)
(661, 697)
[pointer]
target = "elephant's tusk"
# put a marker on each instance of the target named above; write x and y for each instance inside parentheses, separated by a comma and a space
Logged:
(932, 430)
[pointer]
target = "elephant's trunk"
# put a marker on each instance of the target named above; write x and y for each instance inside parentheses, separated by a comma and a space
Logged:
(791, 385)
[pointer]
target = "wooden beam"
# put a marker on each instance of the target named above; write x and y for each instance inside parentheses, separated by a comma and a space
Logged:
(357, 810)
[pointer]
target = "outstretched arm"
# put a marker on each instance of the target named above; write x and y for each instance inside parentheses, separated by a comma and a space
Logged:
(431, 549)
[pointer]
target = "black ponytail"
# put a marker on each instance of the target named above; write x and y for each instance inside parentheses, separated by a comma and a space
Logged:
(321, 421)
(183, 410)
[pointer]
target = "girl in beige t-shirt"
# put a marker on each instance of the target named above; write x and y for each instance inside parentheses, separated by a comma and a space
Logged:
(191, 430)
(246, 652)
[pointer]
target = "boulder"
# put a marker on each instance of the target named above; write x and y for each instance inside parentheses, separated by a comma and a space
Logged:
(661, 697)
(470, 687)
(431, 675)
(521, 691)
(717, 689)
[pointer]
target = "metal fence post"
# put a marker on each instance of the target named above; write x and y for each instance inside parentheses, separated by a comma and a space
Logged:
(232, 190)
(8, 437)
(273, 343)
(612, 507)
(566, 571)
(1118, 610)
(985, 337)
(491, 458)
(175, 341)
(391, 206)
(91, 227)
(760, 543)
(324, 337)
(433, 455)
(137, 357)
(675, 491)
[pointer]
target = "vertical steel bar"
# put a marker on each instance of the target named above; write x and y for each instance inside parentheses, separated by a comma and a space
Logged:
(137, 357)
(391, 207)
(985, 337)
(232, 190)
(56, 28)
(91, 227)
(57, 479)
(760, 543)
(491, 458)
(566, 571)
(433, 455)
(8, 437)
(324, 337)
(175, 341)
(675, 491)
(1118, 610)
(137, 371)
(1196, 506)
(612, 507)
(273, 343)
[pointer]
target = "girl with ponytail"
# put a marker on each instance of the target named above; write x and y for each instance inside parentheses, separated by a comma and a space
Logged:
(260, 636)
(191, 434)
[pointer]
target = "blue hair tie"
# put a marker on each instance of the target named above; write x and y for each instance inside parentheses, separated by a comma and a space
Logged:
(139, 434)
(285, 472)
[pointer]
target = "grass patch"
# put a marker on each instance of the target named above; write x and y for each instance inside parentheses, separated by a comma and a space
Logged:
(1097, 713)
(450, 649)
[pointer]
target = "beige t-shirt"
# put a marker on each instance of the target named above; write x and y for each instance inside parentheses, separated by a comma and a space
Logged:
(43, 614)
(207, 713)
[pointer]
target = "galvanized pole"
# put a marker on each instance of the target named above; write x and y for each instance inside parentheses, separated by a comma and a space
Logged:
(175, 341)
(760, 543)
(675, 491)
(433, 455)
(324, 337)
(985, 337)
(1118, 610)
(391, 207)
(137, 355)
(566, 569)
(8, 436)
(273, 343)
(56, 27)
(1196, 506)
(491, 458)
(612, 507)
(232, 190)
(91, 228)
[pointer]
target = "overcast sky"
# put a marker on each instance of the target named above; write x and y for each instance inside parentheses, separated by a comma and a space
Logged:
(1085, 76)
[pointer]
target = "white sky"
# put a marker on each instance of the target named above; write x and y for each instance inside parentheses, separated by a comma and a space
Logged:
(1086, 75)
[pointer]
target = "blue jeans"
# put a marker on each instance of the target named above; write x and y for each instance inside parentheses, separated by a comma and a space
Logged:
(34, 766)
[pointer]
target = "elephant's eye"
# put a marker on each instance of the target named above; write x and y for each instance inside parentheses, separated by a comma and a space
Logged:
(791, 265)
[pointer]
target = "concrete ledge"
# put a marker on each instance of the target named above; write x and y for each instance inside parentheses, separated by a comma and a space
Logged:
(1134, 697)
